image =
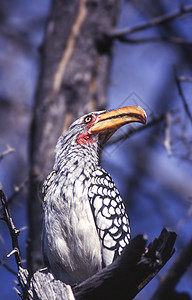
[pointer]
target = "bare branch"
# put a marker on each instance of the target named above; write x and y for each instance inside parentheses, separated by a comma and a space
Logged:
(186, 107)
(6, 152)
(153, 22)
(12, 229)
(170, 39)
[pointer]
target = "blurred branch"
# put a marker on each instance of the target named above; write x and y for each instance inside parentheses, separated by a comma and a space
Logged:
(184, 78)
(12, 230)
(170, 280)
(167, 140)
(6, 152)
(186, 107)
(153, 22)
(139, 129)
(17, 190)
(170, 39)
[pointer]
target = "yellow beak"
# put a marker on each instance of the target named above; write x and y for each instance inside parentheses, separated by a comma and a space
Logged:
(114, 119)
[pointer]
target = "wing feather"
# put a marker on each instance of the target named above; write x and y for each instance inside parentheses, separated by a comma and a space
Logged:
(110, 216)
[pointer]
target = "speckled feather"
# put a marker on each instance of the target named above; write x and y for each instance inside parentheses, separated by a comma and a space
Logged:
(109, 214)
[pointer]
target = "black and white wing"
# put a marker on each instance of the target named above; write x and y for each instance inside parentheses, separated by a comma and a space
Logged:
(109, 213)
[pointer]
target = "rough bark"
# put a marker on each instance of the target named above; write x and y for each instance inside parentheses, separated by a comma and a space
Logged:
(43, 286)
(123, 279)
(73, 81)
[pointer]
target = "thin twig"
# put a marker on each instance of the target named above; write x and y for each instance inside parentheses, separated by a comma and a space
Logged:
(170, 39)
(6, 152)
(133, 130)
(12, 229)
(153, 22)
(186, 107)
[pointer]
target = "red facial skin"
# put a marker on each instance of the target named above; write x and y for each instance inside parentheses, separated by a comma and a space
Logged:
(85, 137)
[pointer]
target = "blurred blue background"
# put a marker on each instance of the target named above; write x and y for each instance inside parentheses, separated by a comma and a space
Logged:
(155, 185)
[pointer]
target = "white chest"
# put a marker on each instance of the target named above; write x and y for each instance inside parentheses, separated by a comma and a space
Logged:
(71, 242)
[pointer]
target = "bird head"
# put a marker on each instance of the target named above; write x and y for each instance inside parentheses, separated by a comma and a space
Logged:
(100, 126)
(91, 131)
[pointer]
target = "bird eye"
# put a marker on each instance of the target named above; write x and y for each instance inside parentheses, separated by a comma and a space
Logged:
(88, 119)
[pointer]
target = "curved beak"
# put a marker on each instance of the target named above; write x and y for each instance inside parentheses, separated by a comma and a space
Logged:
(112, 120)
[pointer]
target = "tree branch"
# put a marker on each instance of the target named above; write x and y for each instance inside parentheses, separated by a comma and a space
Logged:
(123, 279)
(170, 39)
(6, 152)
(153, 22)
(12, 229)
